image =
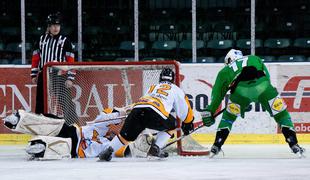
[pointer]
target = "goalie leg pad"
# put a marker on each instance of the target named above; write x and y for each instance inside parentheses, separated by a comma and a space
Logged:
(144, 142)
(141, 146)
(55, 147)
(34, 124)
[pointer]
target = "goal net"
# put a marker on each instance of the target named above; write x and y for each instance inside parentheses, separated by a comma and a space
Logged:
(98, 85)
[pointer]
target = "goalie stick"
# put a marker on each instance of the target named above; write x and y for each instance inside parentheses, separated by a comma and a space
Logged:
(183, 136)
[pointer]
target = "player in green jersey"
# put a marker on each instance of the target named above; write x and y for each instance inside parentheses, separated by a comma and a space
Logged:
(248, 80)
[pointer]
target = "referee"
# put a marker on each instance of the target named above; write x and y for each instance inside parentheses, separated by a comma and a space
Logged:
(52, 46)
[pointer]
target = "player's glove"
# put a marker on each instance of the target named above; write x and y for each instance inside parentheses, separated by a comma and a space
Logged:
(187, 127)
(207, 118)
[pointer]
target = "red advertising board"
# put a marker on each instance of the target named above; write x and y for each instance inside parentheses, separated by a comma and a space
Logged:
(302, 127)
(296, 94)
(16, 91)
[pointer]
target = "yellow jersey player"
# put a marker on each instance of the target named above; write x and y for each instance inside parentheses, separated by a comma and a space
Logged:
(153, 111)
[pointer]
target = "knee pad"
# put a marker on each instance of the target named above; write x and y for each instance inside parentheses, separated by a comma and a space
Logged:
(233, 108)
(277, 105)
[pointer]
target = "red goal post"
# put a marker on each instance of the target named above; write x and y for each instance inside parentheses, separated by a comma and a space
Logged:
(98, 85)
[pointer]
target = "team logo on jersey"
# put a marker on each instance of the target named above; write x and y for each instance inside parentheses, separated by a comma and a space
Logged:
(233, 108)
(296, 94)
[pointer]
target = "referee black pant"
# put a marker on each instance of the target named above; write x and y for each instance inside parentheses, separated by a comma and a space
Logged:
(39, 98)
(64, 99)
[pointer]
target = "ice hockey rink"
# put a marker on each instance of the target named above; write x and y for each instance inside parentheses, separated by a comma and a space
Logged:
(239, 162)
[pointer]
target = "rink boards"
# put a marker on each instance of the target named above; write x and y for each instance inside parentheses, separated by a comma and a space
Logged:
(291, 80)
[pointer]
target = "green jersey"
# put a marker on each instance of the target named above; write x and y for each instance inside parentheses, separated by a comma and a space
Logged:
(229, 73)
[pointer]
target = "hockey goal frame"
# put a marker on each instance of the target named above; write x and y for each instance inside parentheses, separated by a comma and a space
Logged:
(180, 150)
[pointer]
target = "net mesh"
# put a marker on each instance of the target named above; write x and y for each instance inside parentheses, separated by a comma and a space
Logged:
(97, 86)
(189, 147)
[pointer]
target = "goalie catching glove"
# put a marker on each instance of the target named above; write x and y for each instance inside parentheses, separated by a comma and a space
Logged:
(207, 118)
(187, 127)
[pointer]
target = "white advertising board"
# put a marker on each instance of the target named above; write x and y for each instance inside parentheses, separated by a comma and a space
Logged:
(291, 80)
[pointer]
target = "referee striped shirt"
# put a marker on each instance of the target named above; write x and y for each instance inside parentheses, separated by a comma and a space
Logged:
(50, 49)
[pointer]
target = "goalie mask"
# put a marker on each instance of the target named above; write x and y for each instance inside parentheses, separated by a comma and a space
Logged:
(166, 75)
(53, 19)
(232, 55)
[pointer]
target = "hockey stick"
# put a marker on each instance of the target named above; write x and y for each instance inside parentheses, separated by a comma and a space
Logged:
(112, 116)
(183, 136)
(109, 117)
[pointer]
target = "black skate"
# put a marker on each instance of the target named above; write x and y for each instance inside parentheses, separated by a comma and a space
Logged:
(106, 155)
(296, 149)
(214, 151)
(157, 152)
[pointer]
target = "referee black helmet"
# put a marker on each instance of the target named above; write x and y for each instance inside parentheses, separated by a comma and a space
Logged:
(54, 18)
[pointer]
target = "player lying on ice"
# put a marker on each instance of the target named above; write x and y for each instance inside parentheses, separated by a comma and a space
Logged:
(54, 139)
(248, 80)
(153, 111)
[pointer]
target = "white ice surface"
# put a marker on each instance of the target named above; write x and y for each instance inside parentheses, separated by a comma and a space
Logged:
(257, 162)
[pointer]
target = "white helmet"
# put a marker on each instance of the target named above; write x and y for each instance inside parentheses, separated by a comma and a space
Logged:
(232, 55)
